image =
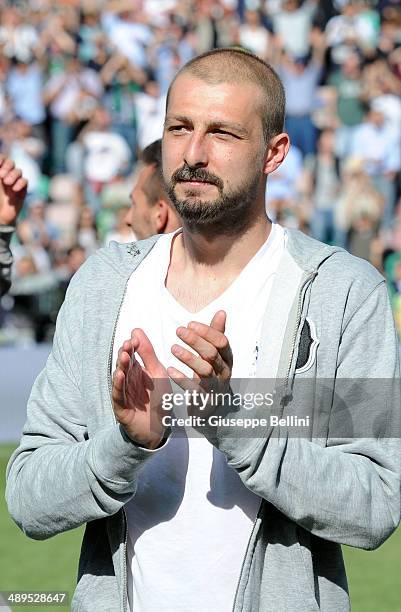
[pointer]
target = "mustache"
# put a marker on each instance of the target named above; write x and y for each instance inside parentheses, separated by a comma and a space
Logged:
(196, 174)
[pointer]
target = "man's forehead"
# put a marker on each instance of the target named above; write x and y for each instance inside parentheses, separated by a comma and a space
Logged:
(189, 85)
(228, 103)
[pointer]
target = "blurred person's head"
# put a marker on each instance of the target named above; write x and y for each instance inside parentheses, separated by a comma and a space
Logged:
(252, 18)
(326, 142)
(36, 209)
(121, 216)
(353, 170)
(87, 218)
(25, 266)
(375, 116)
(151, 210)
(152, 88)
(350, 9)
(297, 63)
(101, 119)
(76, 256)
(290, 5)
(351, 66)
(90, 18)
(223, 135)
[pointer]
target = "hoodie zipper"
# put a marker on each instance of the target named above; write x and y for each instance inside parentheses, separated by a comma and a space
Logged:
(301, 296)
(246, 554)
(124, 571)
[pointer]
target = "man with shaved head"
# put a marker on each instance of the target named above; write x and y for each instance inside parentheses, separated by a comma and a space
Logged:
(196, 410)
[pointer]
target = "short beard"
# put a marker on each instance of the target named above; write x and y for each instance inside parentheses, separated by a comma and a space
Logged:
(231, 214)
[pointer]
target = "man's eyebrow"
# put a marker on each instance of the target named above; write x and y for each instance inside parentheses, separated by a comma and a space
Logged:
(180, 118)
(217, 124)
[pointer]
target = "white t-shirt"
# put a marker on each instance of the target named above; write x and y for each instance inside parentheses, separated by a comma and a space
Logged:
(191, 518)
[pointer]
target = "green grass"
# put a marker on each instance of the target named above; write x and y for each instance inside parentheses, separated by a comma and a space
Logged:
(374, 577)
(30, 565)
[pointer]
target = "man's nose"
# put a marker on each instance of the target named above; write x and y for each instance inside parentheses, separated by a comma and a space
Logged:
(195, 154)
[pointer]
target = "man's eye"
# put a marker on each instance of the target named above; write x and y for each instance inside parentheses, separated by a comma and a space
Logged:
(176, 128)
(224, 133)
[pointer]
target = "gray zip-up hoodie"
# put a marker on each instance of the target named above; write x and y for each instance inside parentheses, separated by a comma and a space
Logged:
(334, 486)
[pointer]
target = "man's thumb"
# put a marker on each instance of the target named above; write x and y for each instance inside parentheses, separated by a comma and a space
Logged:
(219, 321)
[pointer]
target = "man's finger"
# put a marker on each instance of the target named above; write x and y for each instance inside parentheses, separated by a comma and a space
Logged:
(12, 177)
(181, 380)
(219, 321)
(118, 391)
(20, 185)
(205, 350)
(146, 351)
(212, 335)
(6, 167)
(198, 365)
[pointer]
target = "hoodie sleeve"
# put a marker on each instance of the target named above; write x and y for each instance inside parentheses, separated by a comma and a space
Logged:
(345, 489)
(58, 478)
(5, 258)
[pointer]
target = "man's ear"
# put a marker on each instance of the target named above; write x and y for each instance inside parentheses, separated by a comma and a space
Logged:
(160, 215)
(276, 152)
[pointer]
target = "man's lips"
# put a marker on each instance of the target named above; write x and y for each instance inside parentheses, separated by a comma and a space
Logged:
(196, 183)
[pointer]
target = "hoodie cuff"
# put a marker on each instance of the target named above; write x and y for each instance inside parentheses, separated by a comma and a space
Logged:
(6, 231)
(116, 459)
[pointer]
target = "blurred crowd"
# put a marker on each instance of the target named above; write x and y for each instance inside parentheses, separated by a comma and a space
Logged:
(82, 92)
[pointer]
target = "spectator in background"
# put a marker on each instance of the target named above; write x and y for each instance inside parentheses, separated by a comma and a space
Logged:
(254, 36)
(13, 188)
(86, 231)
(122, 81)
(6, 113)
(76, 256)
(128, 31)
(150, 108)
(37, 235)
(359, 207)
(348, 86)
(293, 24)
(302, 74)
(121, 232)
(27, 150)
(325, 188)
(18, 37)
(90, 35)
(379, 148)
(283, 184)
(70, 96)
(25, 88)
(151, 210)
(105, 156)
(348, 31)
